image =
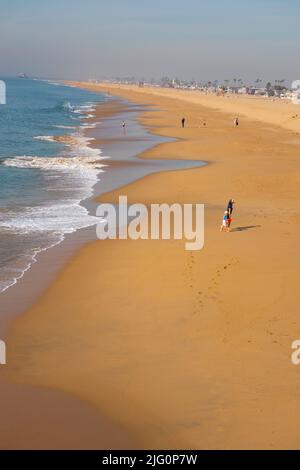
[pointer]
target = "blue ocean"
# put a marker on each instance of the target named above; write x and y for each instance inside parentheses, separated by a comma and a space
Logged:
(47, 168)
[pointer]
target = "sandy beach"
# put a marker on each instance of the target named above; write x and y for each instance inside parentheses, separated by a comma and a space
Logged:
(184, 349)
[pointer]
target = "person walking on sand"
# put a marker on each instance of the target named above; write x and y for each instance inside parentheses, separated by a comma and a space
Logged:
(124, 126)
(183, 122)
(230, 206)
(225, 227)
(236, 122)
(229, 220)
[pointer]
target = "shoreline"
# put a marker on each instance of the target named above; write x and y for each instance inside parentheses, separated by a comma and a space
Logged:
(276, 112)
(65, 249)
(22, 295)
(157, 370)
(71, 242)
(65, 407)
(28, 227)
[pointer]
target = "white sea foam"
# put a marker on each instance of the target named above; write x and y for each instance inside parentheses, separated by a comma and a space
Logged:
(85, 111)
(45, 219)
(51, 82)
(88, 116)
(88, 107)
(28, 261)
(65, 127)
(78, 145)
(68, 106)
(91, 125)
(48, 138)
(81, 147)
(57, 218)
(72, 177)
(55, 163)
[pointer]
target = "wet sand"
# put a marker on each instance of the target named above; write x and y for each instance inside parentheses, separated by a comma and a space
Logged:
(185, 349)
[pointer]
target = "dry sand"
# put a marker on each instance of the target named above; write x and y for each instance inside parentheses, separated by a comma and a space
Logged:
(187, 349)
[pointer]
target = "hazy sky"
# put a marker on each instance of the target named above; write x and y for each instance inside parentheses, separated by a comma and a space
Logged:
(214, 39)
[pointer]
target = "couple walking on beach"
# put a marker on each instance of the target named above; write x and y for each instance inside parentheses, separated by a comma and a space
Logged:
(227, 219)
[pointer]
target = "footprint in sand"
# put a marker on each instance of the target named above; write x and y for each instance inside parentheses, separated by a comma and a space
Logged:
(210, 293)
(216, 278)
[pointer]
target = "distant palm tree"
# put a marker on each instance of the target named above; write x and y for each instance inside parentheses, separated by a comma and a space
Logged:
(268, 86)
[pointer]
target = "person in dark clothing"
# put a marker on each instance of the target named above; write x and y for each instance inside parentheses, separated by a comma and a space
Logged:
(230, 206)
(183, 122)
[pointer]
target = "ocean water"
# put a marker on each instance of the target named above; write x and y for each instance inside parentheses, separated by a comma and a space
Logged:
(46, 169)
